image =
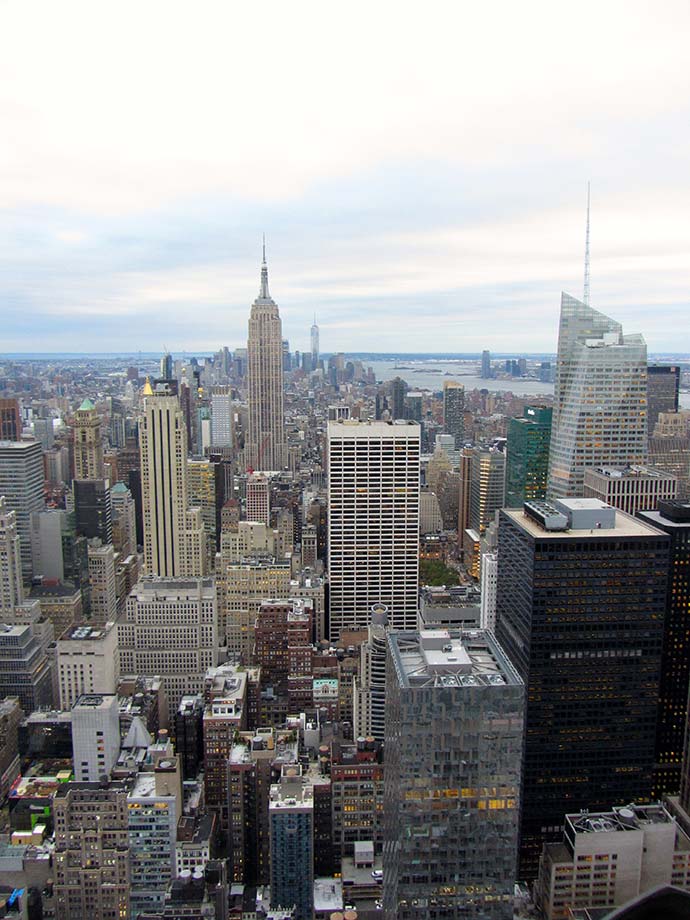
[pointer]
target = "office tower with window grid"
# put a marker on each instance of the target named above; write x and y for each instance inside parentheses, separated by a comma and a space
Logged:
(174, 539)
(673, 518)
(454, 410)
(580, 605)
(21, 483)
(600, 404)
(11, 588)
(527, 456)
(373, 522)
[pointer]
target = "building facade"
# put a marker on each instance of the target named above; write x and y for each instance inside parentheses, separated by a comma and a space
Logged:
(95, 736)
(91, 861)
(11, 587)
(673, 518)
(93, 512)
(10, 420)
(608, 858)
(87, 661)
(124, 520)
(258, 498)
(170, 628)
(454, 410)
(221, 416)
(24, 668)
(487, 487)
(579, 610)
(663, 385)
(600, 404)
(291, 822)
(631, 489)
(88, 442)
(527, 456)
(101, 560)
(373, 522)
(265, 447)
(171, 537)
(21, 483)
(454, 736)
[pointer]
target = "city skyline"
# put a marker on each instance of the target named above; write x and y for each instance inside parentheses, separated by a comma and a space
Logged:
(293, 628)
(393, 191)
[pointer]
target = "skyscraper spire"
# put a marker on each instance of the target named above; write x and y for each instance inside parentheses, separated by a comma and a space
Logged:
(263, 293)
(314, 345)
(265, 447)
(585, 294)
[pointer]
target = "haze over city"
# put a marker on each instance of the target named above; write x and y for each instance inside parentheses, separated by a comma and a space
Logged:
(427, 168)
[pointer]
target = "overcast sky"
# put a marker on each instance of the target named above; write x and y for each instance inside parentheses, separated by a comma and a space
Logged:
(420, 171)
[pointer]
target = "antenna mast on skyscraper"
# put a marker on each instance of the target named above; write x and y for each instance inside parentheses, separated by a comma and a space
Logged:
(585, 295)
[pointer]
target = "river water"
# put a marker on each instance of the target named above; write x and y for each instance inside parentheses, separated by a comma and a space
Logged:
(423, 375)
(429, 375)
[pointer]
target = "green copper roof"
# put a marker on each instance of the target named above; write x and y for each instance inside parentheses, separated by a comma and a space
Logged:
(86, 405)
(119, 487)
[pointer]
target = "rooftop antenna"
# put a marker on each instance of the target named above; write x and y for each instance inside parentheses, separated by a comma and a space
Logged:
(263, 293)
(585, 295)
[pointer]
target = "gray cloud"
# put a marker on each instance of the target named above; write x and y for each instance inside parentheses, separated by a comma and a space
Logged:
(426, 192)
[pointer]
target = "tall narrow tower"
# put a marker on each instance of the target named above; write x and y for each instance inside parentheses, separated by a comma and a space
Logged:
(172, 541)
(21, 482)
(11, 590)
(265, 448)
(88, 444)
(454, 410)
(314, 345)
(585, 294)
(600, 406)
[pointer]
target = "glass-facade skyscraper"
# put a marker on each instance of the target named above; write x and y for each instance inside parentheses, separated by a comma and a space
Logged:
(454, 736)
(580, 607)
(527, 456)
(673, 518)
(663, 385)
(486, 365)
(600, 405)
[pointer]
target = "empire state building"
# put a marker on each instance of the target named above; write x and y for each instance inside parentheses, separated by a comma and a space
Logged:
(265, 448)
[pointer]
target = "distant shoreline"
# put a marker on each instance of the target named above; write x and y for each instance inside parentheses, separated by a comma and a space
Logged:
(665, 357)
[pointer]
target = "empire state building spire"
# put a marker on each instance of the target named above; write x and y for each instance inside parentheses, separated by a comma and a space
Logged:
(263, 292)
(265, 447)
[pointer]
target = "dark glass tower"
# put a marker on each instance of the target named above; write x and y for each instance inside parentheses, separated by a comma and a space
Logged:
(398, 389)
(10, 420)
(663, 384)
(674, 519)
(580, 611)
(527, 460)
(454, 410)
(93, 509)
